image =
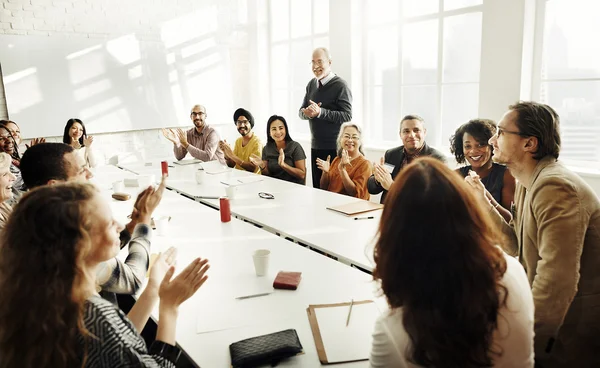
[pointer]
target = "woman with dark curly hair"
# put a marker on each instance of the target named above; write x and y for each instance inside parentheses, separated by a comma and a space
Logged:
(469, 144)
(455, 298)
(51, 314)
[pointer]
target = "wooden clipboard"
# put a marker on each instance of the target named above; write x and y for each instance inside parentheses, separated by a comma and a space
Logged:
(357, 207)
(314, 326)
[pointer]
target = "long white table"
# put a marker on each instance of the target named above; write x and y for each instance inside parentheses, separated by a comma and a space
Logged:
(196, 231)
(297, 212)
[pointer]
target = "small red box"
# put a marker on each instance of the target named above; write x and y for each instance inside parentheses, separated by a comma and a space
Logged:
(164, 165)
(287, 280)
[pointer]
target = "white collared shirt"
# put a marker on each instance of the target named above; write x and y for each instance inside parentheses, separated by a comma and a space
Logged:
(324, 81)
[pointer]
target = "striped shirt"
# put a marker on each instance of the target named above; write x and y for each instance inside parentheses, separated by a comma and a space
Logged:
(115, 342)
(116, 276)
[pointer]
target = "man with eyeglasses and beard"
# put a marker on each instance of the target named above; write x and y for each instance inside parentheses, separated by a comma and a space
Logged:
(327, 105)
(245, 146)
(202, 141)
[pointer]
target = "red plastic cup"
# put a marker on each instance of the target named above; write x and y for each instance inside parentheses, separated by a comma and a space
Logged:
(164, 165)
(225, 209)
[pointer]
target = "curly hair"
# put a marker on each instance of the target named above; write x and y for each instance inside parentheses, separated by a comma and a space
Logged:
(481, 129)
(436, 258)
(43, 281)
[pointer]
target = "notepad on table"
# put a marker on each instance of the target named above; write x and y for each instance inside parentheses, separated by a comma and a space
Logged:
(214, 167)
(336, 342)
(357, 207)
(189, 161)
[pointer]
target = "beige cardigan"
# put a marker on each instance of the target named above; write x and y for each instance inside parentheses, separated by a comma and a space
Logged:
(556, 234)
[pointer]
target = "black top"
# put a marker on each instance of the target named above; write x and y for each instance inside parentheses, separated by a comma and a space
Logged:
(293, 152)
(494, 182)
(336, 108)
(395, 156)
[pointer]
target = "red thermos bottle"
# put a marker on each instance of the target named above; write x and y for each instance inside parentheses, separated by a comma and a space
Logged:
(225, 209)
(164, 165)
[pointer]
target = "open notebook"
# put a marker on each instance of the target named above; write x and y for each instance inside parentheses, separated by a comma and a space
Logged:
(336, 342)
(189, 161)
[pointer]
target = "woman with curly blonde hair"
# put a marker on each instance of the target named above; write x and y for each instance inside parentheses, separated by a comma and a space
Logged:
(52, 315)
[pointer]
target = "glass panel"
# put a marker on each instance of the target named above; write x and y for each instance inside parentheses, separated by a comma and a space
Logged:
(460, 103)
(413, 8)
(280, 18)
(298, 127)
(299, 63)
(458, 4)
(422, 101)
(382, 55)
(280, 54)
(301, 18)
(381, 11)
(420, 52)
(578, 104)
(321, 42)
(321, 16)
(462, 48)
(374, 115)
(570, 49)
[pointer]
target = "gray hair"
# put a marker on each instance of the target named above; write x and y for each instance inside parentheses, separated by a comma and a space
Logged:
(325, 51)
(5, 161)
(338, 142)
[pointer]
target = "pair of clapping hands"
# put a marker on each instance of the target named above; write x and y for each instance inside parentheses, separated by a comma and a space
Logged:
(312, 110)
(325, 165)
(176, 136)
(256, 160)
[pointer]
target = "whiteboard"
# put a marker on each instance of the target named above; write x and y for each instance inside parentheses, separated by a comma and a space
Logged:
(112, 85)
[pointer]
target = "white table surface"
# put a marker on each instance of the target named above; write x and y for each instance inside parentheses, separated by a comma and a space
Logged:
(196, 231)
(297, 211)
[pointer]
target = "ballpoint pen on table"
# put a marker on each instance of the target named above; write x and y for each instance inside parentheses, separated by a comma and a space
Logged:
(349, 312)
(364, 218)
(253, 295)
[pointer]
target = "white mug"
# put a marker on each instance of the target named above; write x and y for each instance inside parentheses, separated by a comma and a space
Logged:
(230, 191)
(162, 225)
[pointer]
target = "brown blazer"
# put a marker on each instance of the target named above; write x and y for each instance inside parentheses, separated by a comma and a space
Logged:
(555, 232)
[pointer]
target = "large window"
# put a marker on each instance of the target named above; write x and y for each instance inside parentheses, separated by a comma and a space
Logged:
(296, 27)
(570, 73)
(423, 57)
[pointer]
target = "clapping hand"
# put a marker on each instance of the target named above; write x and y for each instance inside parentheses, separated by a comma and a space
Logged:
(256, 160)
(170, 135)
(35, 141)
(281, 158)
(182, 137)
(345, 160)
(173, 292)
(476, 185)
(225, 148)
(324, 165)
(88, 140)
(312, 110)
(383, 177)
(160, 267)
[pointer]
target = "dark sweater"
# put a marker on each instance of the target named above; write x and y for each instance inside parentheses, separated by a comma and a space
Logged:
(336, 108)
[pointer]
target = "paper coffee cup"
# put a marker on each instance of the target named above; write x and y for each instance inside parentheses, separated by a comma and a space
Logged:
(230, 191)
(200, 174)
(118, 186)
(261, 261)
(162, 225)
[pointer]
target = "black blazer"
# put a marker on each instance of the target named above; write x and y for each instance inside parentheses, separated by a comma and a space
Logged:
(395, 156)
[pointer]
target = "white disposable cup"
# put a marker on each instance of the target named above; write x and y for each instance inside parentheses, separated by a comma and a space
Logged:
(118, 186)
(162, 225)
(231, 191)
(261, 261)
(200, 174)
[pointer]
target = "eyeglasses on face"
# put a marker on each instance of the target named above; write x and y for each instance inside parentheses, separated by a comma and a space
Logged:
(241, 122)
(318, 62)
(501, 131)
(201, 113)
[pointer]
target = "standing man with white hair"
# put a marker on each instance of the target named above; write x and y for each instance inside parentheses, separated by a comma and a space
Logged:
(327, 105)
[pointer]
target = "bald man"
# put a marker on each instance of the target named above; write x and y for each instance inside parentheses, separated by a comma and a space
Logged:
(202, 141)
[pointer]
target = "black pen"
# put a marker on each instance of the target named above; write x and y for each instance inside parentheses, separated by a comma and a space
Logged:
(364, 218)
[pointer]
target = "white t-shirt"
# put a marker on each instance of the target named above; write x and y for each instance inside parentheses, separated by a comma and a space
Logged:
(513, 336)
